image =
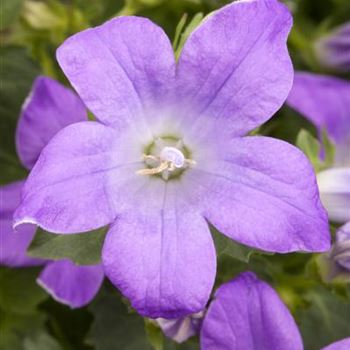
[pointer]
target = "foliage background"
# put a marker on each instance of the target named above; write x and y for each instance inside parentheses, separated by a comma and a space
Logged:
(30, 32)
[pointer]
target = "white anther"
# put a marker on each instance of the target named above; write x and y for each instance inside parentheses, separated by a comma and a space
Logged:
(173, 155)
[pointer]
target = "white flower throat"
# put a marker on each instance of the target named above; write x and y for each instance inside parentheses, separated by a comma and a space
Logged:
(165, 159)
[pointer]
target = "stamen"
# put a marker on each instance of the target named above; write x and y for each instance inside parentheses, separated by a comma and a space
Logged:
(169, 159)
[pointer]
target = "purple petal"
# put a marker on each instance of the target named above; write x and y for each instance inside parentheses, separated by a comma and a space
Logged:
(325, 101)
(341, 249)
(339, 345)
(71, 187)
(235, 67)
(49, 108)
(163, 262)
(120, 69)
(333, 50)
(70, 284)
(14, 244)
(334, 185)
(263, 193)
(248, 314)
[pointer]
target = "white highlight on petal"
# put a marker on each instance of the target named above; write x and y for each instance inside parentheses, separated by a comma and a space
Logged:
(334, 186)
(53, 294)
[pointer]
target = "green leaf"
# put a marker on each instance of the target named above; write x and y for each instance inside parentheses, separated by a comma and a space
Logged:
(225, 245)
(191, 344)
(310, 146)
(14, 328)
(41, 341)
(328, 315)
(82, 248)
(10, 10)
(179, 28)
(329, 150)
(154, 334)
(19, 291)
(313, 148)
(17, 74)
(114, 327)
(196, 20)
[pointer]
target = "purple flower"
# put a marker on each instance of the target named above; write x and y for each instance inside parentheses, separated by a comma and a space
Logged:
(325, 101)
(341, 249)
(343, 344)
(333, 49)
(248, 314)
(334, 266)
(251, 315)
(168, 153)
(14, 244)
(49, 108)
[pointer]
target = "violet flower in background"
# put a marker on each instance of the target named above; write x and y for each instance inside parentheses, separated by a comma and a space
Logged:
(341, 249)
(333, 49)
(49, 108)
(334, 266)
(325, 101)
(13, 245)
(168, 153)
(246, 313)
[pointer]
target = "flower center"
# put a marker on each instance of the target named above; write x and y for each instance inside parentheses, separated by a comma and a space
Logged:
(165, 157)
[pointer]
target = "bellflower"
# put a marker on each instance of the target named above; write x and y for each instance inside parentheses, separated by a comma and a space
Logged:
(248, 314)
(49, 108)
(333, 49)
(168, 153)
(325, 101)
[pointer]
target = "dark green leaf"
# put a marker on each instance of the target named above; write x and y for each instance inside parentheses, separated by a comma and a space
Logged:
(41, 341)
(17, 74)
(14, 329)
(328, 316)
(82, 248)
(19, 291)
(114, 327)
(10, 11)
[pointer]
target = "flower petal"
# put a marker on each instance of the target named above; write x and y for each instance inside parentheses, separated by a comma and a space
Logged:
(343, 344)
(14, 244)
(120, 69)
(183, 328)
(333, 49)
(263, 193)
(325, 101)
(49, 108)
(71, 284)
(164, 263)
(334, 185)
(235, 67)
(251, 316)
(341, 249)
(73, 186)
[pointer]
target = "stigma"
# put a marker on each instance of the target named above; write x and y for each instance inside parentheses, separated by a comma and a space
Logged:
(169, 161)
